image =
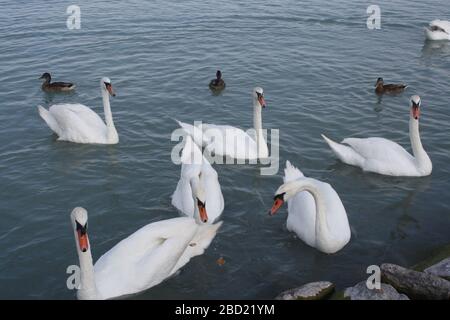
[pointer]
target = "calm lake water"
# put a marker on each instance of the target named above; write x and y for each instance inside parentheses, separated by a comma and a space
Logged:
(317, 63)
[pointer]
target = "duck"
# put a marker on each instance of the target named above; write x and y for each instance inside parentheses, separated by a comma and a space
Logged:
(386, 157)
(381, 88)
(80, 124)
(315, 211)
(49, 86)
(141, 261)
(217, 84)
(197, 174)
(233, 142)
(438, 30)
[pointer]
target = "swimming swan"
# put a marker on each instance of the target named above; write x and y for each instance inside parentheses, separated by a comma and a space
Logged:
(231, 141)
(140, 261)
(78, 123)
(384, 156)
(198, 177)
(315, 211)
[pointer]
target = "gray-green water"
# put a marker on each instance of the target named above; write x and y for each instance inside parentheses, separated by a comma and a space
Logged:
(317, 62)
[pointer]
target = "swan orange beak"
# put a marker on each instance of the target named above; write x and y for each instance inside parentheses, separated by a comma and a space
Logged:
(262, 102)
(277, 204)
(110, 89)
(415, 110)
(202, 212)
(83, 241)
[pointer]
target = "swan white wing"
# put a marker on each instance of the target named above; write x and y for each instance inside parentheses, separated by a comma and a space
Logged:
(145, 258)
(78, 123)
(382, 155)
(191, 165)
(336, 214)
(230, 141)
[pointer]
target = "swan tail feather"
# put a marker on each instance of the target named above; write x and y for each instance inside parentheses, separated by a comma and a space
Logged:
(49, 119)
(344, 153)
(291, 173)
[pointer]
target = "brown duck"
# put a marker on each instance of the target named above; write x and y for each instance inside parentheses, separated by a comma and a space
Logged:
(218, 83)
(381, 88)
(49, 86)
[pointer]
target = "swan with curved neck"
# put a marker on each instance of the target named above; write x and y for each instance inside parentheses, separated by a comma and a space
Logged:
(384, 156)
(140, 261)
(223, 140)
(197, 177)
(315, 211)
(78, 123)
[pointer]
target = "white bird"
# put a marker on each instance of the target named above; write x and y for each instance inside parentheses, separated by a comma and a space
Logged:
(315, 211)
(197, 177)
(384, 156)
(140, 261)
(438, 30)
(78, 123)
(230, 141)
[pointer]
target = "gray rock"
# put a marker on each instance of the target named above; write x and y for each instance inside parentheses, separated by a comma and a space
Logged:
(441, 269)
(310, 291)
(361, 292)
(417, 285)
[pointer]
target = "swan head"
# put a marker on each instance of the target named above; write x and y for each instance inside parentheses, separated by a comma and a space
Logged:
(199, 196)
(284, 192)
(105, 83)
(79, 218)
(415, 107)
(258, 96)
(46, 76)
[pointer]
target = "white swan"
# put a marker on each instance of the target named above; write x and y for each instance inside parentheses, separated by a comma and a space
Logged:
(315, 211)
(197, 177)
(438, 30)
(384, 156)
(140, 261)
(78, 123)
(231, 141)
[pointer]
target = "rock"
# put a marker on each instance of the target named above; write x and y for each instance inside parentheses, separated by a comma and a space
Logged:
(361, 292)
(441, 269)
(415, 284)
(310, 291)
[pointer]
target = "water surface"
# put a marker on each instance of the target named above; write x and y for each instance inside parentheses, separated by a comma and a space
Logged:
(317, 63)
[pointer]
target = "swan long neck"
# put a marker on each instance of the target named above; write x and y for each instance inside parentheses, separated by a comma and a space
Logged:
(321, 226)
(422, 158)
(88, 288)
(112, 133)
(257, 125)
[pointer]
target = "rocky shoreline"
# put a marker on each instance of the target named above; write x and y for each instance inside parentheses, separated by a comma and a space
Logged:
(427, 280)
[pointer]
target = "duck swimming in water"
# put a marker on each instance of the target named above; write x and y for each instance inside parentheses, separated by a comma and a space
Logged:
(217, 84)
(381, 88)
(48, 86)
